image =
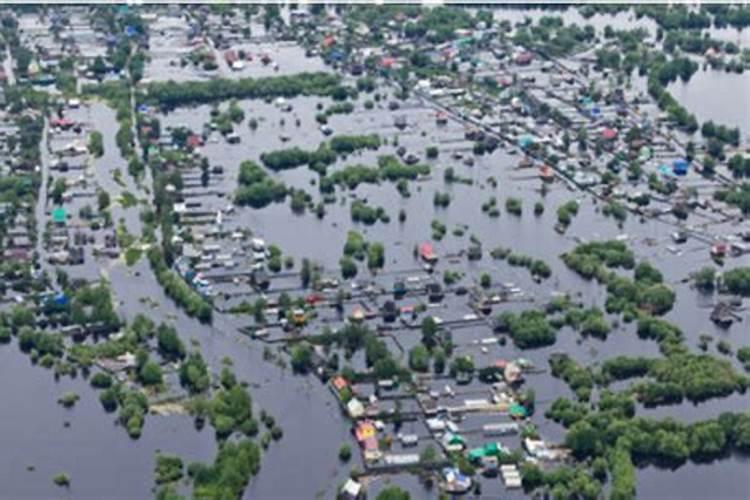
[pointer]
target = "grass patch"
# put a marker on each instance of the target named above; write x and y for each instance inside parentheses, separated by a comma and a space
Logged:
(132, 256)
(128, 199)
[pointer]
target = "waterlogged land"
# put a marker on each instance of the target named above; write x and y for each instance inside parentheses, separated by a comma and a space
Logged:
(261, 245)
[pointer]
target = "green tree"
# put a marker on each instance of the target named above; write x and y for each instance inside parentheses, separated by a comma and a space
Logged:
(582, 439)
(169, 344)
(301, 357)
(419, 358)
(393, 493)
(429, 332)
(150, 374)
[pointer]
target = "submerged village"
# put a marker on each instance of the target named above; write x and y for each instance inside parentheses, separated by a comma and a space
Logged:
(377, 251)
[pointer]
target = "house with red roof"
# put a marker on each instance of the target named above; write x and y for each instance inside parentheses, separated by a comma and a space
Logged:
(609, 134)
(194, 141)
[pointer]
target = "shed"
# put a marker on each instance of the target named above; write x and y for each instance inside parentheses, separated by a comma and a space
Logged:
(59, 215)
(351, 490)
(355, 408)
(518, 411)
(609, 134)
(427, 253)
(525, 141)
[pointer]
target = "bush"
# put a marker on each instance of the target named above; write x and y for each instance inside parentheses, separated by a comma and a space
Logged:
(737, 281)
(530, 329)
(566, 212)
(375, 256)
(345, 452)
(419, 358)
(61, 480)
(68, 400)
(485, 280)
(169, 345)
(96, 146)
(194, 374)
(348, 267)
(169, 468)
(256, 189)
(150, 374)
(441, 199)
(101, 380)
(301, 357)
(705, 278)
(109, 399)
(514, 206)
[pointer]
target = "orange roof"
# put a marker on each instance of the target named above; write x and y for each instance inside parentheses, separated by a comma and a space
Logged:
(339, 382)
(364, 431)
(387, 62)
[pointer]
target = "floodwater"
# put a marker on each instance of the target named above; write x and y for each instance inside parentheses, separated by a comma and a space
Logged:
(304, 463)
(98, 456)
(717, 95)
(322, 240)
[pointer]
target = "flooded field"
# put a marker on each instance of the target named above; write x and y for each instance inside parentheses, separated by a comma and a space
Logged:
(706, 96)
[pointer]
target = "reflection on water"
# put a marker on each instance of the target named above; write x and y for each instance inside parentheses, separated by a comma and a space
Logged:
(717, 95)
(100, 458)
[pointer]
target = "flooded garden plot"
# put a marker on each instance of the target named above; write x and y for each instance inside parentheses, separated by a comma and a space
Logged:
(174, 39)
(243, 59)
(93, 208)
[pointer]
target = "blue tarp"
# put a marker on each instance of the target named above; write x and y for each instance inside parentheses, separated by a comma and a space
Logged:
(59, 299)
(680, 166)
(336, 55)
(525, 141)
(665, 170)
